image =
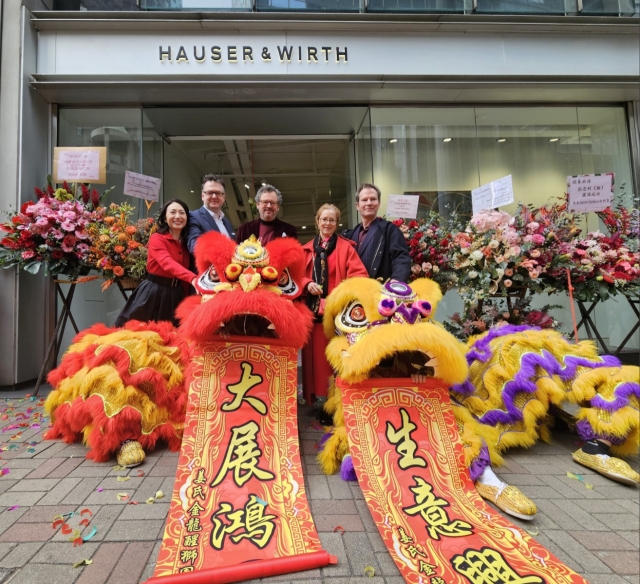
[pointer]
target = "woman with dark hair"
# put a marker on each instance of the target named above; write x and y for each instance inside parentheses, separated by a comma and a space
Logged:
(168, 275)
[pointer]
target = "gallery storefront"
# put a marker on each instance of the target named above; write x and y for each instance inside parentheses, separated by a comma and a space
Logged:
(430, 105)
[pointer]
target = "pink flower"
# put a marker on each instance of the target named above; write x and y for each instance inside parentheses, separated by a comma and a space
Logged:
(69, 215)
(486, 220)
(68, 226)
(537, 239)
(534, 253)
(507, 283)
(534, 274)
(514, 250)
(27, 255)
(42, 221)
(56, 233)
(508, 272)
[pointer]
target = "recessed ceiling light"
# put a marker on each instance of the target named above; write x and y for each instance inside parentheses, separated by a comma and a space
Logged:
(447, 139)
(193, 191)
(393, 140)
(340, 225)
(264, 184)
(246, 186)
(502, 139)
(554, 139)
(304, 227)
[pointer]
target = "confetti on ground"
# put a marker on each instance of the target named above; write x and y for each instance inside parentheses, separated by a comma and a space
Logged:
(122, 496)
(369, 571)
(122, 479)
(133, 502)
(66, 529)
(86, 511)
(84, 562)
(159, 495)
(533, 531)
(99, 489)
(117, 467)
(91, 534)
(13, 508)
(140, 473)
(150, 501)
(339, 529)
(5, 471)
(579, 477)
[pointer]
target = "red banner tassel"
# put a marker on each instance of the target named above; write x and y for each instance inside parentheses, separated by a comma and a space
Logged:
(250, 570)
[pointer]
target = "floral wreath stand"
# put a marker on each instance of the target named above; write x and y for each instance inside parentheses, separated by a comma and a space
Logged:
(127, 285)
(61, 323)
(592, 331)
(515, 293)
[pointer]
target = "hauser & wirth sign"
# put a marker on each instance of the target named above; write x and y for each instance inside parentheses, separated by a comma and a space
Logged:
(250, 54)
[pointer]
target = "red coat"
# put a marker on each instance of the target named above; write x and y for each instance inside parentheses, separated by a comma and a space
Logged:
(168, 258)
(344, 262)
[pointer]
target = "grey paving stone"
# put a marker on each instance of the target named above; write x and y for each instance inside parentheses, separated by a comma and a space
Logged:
(6, 485)
(5, 548)
(601, 505)
(318, 487)
(24, 463)
(51, 451)
(560, 553)
(365, 516)
(305, 575)
(387, 565)
(90, 471)
(626, 522)
(142, 511)
(339, 489)
(109, 496)
(20, 554)
(15, 474)
(632, 505)
(377, 543)
(60, 491)
(22, 498)
(631, 536)
(333, 543)
(538, 493)
(46, 574)
(518, 480)
(135, 530)
(311, 464)
(588, 561)
(151, 563)
(64, 553)
(33, 485)
(103, 518)
(4, 575)
(360, 553)
(604, 579)
(356, 490)
(355, 580)
(79, 493)
(148, 488)
(579, 515)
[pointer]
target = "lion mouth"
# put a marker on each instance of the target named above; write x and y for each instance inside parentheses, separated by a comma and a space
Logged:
(406, 364)
(248, 325)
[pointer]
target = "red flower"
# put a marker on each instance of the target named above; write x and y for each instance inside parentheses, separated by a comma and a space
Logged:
(95, 198)
(39, 193)
(413, 224)
(398, 222)
(85, 193)
(57, 254)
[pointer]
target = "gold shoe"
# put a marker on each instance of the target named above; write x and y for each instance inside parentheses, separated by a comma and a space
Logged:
(510, 499)
(609, 466)
(130, 454)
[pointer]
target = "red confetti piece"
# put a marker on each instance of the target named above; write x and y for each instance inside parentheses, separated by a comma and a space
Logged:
(77, 541)
(85, 522)
(66, 530)
(57, 523)
(339, 529)
(133, 502)
(86, 511)
(140, 473)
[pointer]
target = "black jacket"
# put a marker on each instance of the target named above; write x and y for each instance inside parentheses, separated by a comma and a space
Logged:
(384, 251)
(201, 221)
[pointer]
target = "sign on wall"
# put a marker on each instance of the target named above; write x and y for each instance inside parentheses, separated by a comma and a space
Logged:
(403, 206)
(494, 194)
(80, 164)
(141, 186)
(590, 192)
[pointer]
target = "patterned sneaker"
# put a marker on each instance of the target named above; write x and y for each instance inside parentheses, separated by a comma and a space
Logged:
(510, 499)
(609, 466)
(130, 454)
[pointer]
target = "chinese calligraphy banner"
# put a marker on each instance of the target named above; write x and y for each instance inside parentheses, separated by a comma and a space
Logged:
(410, 464)
(239, 509)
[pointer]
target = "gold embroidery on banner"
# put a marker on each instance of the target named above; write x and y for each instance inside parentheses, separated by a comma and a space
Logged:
(488, 566)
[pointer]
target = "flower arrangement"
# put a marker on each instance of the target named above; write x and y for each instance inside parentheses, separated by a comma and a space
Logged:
(118, 247)
(430, 243)
(51, 232)
(495, 312)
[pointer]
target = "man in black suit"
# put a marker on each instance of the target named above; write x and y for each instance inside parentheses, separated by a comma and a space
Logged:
(210, 216)
(380, 244)
(268, 227)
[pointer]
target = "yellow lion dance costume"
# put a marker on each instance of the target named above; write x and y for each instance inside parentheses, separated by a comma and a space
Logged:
(502, 382)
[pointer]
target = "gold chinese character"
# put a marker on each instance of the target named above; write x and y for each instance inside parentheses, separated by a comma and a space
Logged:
(428, 569)
(405, 446)
(193, 524)
(437, 580)
(258, 527)
(200, 478)
(191, 540)
(488, 566)
(242, 456)
(431, 509)
(188, 556)
(404, 538)
(187, 569)
(240, 389)
(197, 492)
(195, 510)
(413, 551)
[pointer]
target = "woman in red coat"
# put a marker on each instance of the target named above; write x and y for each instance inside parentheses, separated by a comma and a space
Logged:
(330, 259)
(168, 275)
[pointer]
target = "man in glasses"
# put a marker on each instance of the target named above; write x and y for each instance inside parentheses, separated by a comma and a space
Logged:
(210, 216)
(268, 227)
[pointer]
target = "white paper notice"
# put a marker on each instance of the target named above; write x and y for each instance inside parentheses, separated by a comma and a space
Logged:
(403, 206)
(590, 192)
(141, 186)
(79, 165)
(492, 195)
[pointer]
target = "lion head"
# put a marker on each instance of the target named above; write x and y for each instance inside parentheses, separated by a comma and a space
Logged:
(386, 330)
(247, 290)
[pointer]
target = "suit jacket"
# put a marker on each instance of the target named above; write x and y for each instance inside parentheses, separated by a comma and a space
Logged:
(201, 221)
(384, 251)
(281, 229)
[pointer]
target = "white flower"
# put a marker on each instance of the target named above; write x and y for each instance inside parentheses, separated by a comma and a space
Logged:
(473, 274)
(476, 255)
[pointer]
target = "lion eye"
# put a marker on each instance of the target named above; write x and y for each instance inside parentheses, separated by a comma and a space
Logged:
(209, 280)
(354, 316)
(287, 285)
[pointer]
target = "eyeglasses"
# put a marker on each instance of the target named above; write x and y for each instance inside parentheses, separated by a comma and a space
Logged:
(268, 203)
(327, 221)
(214, 193)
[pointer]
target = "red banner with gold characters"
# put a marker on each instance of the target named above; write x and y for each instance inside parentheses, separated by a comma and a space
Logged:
(410, 463)
(239, 509)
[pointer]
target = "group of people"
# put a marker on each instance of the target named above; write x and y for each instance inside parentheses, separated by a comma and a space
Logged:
(374, 248)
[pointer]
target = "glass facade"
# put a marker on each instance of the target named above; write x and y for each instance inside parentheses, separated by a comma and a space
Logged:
(550, 7)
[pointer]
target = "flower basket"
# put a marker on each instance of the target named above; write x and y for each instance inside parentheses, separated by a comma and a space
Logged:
(127, 283)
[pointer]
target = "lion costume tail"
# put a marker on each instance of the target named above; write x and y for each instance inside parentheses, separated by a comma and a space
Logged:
(119, 384)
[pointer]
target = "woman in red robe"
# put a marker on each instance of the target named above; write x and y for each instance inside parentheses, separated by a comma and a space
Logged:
(330, 259)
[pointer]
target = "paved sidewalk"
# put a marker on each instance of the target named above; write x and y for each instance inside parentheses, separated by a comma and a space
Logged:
(595, 531)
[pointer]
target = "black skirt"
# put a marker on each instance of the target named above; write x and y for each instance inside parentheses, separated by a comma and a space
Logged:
(151, 301)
